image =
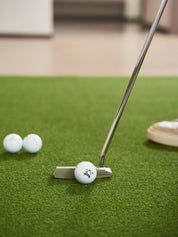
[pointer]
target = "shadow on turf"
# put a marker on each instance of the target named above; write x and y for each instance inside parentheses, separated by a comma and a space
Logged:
(72, 186)
(17, 156)
(75, 188)
(156, 146)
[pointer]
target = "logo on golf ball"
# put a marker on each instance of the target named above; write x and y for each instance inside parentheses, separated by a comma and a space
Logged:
(85, 172)
(88, 173)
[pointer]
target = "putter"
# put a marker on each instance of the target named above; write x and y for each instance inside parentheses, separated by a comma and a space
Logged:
(67, 172)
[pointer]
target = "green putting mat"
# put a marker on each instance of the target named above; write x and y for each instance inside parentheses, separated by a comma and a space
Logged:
(73, 116)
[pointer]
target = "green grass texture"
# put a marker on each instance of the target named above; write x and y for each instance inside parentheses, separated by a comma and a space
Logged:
(73, 116)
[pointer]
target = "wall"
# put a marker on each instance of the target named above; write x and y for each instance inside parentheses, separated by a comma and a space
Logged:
(26, 17)
(133, 9)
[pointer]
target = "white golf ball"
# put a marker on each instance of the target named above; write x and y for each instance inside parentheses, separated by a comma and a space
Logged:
(32, 143)
(12, 143)
(85, 172)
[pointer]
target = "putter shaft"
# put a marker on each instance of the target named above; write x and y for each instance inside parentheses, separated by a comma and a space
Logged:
(131, 82)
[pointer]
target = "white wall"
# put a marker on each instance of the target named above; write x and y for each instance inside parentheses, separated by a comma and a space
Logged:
(133, 9)
(26, 17)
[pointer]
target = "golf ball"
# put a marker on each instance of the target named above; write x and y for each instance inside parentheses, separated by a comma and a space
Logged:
(32, 143)
(12, 143)
(85, 172)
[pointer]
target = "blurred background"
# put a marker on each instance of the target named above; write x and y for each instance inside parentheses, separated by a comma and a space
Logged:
(85, 37)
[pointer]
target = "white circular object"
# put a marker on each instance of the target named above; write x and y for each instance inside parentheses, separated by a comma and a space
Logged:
(32, 143)
(85, 172)
(168, 124)
(12, 143)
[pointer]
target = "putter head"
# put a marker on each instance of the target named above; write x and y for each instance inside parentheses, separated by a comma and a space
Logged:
(67, 172)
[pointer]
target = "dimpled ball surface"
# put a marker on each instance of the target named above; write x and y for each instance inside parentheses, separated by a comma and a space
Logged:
(85, 172)
(32, 143)
(12, 143)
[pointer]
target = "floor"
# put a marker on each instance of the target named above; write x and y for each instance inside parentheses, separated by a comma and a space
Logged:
(89, 48)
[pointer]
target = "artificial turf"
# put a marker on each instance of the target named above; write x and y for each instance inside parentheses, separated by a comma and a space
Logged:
(73, 116)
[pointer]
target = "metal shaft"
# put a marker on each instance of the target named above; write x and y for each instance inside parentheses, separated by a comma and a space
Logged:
(131, 82)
